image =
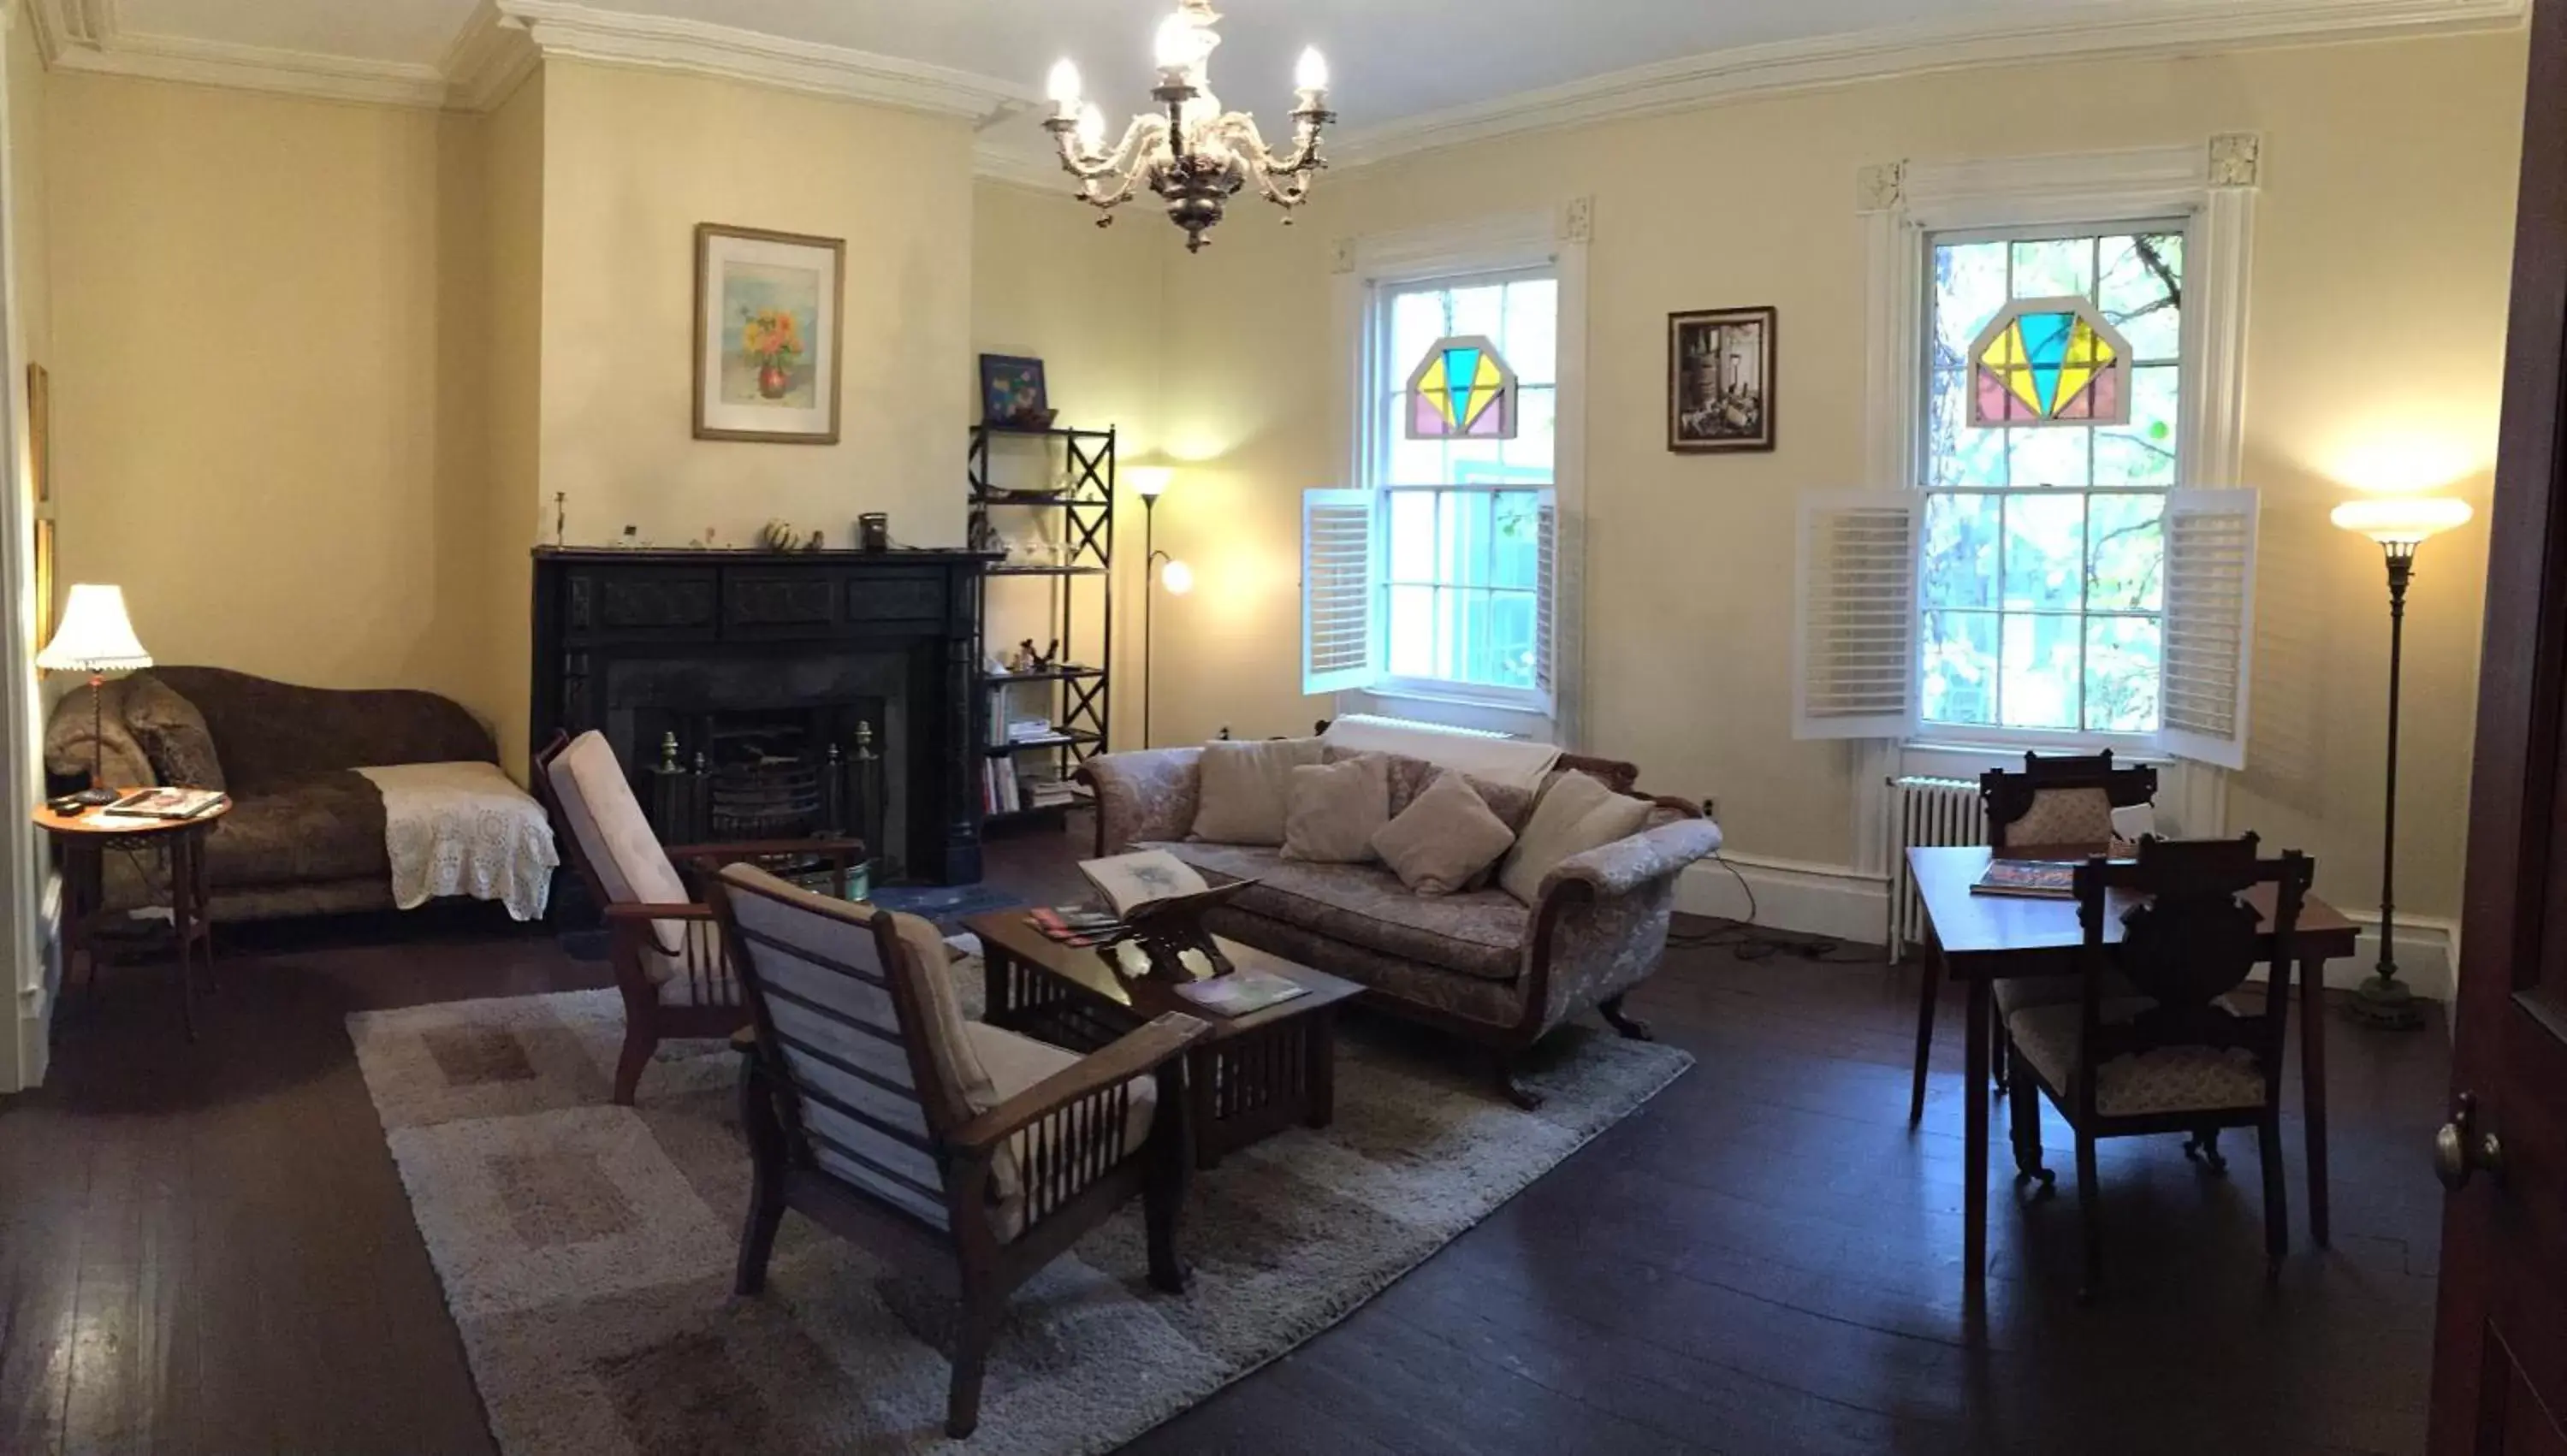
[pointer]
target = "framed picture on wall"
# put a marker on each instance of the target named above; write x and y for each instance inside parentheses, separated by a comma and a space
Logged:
(767, 335)
(1720, 379)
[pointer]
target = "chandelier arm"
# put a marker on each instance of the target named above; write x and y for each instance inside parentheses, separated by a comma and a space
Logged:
(1304, 157)
(1127, 157)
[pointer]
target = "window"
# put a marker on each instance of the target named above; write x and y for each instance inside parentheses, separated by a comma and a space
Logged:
(1435, 576)
(2041, 574)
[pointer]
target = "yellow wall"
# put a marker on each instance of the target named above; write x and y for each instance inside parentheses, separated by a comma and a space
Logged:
(633, 161)
(513, 517)
(1048, 283)
(2377, 333)
(246, 306)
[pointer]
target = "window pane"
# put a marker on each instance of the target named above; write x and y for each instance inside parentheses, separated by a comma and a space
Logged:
(1959, 568)
(1481, 310)
(2045, 552)
(2053, 455)
(2125, 552)
(2054, 268)
(1417, 320)
(2039, 671)
(1463, 545)
(1412, 631)
(1969, 288)
(2122, 675)
(1958, 454)
(2141, 292)
(1530, 342)
(1511, 635)
(1527, 456)
(1409, 462)
(1960, 667)
(1412, 535)
(1518, 553)
(2143, 452)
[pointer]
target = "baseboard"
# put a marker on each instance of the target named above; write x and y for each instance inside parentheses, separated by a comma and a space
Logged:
(1843, 903)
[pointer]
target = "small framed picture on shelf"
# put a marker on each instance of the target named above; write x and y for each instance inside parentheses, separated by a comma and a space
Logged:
(1012, 395)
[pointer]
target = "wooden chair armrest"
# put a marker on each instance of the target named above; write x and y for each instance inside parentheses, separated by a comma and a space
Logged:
(1136, 1054)
(842, 850)
(631, 909)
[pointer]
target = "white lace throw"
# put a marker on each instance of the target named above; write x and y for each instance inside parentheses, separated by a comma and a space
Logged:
(464, 829)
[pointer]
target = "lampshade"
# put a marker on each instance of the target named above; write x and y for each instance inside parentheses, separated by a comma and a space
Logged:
(2393, 521)
(1177, 577)
(95, 636)
(1150, 481)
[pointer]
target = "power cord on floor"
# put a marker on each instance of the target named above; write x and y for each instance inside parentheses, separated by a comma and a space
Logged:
(1748, 941)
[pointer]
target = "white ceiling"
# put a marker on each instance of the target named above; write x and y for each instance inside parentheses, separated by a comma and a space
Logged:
(1394, 60)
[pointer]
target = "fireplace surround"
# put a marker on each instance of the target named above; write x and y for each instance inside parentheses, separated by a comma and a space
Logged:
(788, 693)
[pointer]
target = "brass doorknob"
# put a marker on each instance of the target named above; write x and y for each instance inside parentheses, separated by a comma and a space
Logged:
(2462, 1149)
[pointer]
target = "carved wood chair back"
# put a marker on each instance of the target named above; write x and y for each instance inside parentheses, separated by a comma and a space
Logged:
(2061, 798)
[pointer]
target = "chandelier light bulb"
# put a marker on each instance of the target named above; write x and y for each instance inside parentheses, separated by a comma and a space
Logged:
(1063, 88)
(1091, 126)
(1175, 46)
(1313, 72)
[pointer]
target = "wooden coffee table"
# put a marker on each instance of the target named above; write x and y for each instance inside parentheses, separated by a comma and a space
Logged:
(1254, 1076)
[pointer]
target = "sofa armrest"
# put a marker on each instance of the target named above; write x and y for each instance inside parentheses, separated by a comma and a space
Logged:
(1151, 795)
(1627, 864)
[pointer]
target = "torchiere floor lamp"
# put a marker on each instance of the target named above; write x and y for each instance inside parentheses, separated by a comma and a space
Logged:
(1149, 483)
(2400, 524)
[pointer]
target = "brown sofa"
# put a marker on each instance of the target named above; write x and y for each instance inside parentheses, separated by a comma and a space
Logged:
(305, 835)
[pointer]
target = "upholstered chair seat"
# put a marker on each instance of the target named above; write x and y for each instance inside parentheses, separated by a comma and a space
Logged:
(2161, 1079)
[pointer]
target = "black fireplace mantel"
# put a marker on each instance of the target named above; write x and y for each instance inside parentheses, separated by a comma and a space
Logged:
(604, 617)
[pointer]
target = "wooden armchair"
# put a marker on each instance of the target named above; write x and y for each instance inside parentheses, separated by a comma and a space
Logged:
(872, 1107)
(669, 961)
(2062, 802)
(2171, 1056)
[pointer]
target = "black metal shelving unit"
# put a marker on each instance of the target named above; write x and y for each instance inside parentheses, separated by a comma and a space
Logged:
(1077, 491)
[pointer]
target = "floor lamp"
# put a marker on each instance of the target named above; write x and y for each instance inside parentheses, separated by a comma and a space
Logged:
(2400, 524)
(1149, 483)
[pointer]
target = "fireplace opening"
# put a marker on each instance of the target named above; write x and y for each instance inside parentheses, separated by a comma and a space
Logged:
(771, 774)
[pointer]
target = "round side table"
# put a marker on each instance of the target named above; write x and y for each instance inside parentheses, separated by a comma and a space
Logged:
(86, 839)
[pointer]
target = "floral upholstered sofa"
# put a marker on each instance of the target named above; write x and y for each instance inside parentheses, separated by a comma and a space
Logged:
(1479, 963)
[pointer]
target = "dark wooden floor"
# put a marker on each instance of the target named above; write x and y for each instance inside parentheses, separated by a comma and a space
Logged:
(207, 1250)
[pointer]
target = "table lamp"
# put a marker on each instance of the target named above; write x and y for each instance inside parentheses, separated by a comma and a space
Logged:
(95, 637)
(2400, 524)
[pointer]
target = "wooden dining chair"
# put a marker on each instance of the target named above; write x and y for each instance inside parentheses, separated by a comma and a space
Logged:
(2060, 802)
(873, 1108)
(668, 957)
(2174, 1054)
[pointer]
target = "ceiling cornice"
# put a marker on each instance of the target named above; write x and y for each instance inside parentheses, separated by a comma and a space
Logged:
(488, 59)
(582, 33)
(2158, 27)
(1020, 169)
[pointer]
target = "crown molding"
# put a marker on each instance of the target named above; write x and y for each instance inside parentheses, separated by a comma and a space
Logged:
(487, 61)
(2131, 29)
(1015, 168)
(63, 24)
(256, 67)
(561, 29)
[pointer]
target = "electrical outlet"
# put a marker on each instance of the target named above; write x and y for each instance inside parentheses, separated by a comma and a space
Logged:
(1711, 806)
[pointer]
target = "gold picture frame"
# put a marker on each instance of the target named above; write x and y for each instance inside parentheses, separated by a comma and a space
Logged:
(770, 323)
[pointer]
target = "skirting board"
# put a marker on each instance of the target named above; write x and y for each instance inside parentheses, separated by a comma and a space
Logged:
(1844, 904)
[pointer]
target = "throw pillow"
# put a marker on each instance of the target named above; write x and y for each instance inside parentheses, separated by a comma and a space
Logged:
(1438, 844)
(1333, 810)
(1247, 787)
(172, 734)
(1577, 813)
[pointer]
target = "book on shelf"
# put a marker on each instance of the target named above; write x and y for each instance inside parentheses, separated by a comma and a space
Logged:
(167, 803)
(1241, 992)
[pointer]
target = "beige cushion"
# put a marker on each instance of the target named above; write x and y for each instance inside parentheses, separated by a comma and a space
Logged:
(931, 968)
(1443, 838)
(1577, 813)
(614, 837)
(1245, 789)
(2065, 817)
(1334, 809)
(1017, 1064)
(2167, 1079)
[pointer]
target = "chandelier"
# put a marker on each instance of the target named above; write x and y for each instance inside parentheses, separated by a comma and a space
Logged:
(1195, 156)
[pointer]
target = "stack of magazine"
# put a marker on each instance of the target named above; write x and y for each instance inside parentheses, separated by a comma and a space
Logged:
(166, 803)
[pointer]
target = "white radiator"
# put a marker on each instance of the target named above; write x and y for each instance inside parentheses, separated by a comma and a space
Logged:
(1924, 811)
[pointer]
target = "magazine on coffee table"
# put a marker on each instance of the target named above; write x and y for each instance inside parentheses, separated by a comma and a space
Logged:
(1241, 992)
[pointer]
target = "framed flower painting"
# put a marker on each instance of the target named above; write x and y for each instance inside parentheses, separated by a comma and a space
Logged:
(767, 334)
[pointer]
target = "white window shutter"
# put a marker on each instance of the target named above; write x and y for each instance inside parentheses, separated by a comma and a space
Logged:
(1854, 648)
(2209, 624)
(1546, 612)
(1340, 595)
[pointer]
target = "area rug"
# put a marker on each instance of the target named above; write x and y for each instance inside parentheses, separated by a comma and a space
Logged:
(587, 1250)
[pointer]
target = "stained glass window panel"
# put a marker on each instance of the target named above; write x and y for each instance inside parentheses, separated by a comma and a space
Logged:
(1463, 388)
(2044, 360)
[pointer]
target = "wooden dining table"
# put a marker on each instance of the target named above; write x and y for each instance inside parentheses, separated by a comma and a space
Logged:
(1984, 939)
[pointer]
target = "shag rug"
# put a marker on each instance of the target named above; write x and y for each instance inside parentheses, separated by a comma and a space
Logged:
(587, 1250)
